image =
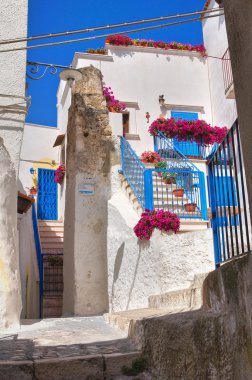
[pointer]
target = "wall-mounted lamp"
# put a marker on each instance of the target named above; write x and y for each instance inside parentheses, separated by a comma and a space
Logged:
(161, 100)
(147, 117)
(33, 171)
(70, 75)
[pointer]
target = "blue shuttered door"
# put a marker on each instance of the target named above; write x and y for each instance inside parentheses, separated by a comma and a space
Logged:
(47, 195)
(187, 148)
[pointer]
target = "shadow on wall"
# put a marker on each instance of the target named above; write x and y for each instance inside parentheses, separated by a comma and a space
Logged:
(141, 245)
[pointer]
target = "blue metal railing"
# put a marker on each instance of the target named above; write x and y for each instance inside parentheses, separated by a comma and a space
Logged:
(133, 170)
(180, 189)
(174, 158)
(39, 258)
(192, 149)
(185, 149)
(228, 199)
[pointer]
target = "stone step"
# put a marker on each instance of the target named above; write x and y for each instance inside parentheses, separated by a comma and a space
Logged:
(51, 229)
(52, 244)
(96, 366)
(173, 302)
(189, 298)
(51, 233)
(125, 320)
(51, 239)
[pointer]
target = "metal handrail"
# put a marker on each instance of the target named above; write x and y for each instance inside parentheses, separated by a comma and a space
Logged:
(39, 258)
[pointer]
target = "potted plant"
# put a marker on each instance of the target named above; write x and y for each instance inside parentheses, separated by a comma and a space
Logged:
(160, 165)
(150, 158)
(165, 221)
(178, 193)
(60, 174)
(33, 190)
(169, 178)
(190, 207)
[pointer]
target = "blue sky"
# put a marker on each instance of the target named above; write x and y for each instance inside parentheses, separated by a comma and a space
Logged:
(53, 16)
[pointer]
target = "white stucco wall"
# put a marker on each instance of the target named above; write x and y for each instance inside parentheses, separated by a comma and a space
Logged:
(13, 107)
(137, 269)
(138, 76)
(28, 267)
(37, 150)
(224, 110)
(13, 16)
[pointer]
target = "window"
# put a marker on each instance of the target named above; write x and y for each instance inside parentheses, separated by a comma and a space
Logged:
(125, 117)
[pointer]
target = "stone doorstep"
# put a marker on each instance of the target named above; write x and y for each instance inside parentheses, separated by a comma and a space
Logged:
(88, 367)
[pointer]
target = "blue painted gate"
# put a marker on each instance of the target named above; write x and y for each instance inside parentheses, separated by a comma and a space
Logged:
(47, 195)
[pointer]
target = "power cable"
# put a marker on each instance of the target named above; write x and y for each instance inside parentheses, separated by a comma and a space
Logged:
(109, 34)
(112, 26)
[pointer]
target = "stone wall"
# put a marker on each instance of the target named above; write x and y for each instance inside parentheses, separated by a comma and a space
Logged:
(86, 216)
(211, 344)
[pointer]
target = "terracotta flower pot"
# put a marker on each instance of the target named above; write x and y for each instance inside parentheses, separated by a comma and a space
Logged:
(33, 191)
(179, 193)
(169, 180)
(190, 207)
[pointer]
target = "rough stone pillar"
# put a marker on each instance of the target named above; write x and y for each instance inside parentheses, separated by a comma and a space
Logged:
(238, 16)
(10, 290)
(87, 193)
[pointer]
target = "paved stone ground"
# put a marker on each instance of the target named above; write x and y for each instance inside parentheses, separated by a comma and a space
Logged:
(62, 337)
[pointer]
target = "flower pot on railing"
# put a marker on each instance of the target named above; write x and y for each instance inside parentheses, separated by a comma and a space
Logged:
(178, 193)
(190, 207)
(169, 180)
(33, 190)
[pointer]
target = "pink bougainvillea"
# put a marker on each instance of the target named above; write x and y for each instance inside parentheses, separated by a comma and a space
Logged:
(60, 174)
(121, 40)
(164, 221)
(112, 102)
(189, 130)
(150, 157)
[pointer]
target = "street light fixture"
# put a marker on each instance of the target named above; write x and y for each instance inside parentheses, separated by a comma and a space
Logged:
(70, 75)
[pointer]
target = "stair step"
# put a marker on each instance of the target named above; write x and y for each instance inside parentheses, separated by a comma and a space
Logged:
(51, 239)
(52, 245)
(125, 320)
(50, 233)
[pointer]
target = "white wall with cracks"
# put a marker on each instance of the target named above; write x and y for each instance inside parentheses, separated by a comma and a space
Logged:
(137, 270)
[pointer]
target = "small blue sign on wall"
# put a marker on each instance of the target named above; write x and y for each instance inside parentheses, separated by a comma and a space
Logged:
(86, 188)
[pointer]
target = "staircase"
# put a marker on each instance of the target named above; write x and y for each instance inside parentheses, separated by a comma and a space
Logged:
(186, 225)
(51, 239)
(146, 188)
(173, 302)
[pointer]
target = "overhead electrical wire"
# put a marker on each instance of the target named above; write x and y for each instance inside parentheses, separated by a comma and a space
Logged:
(109, 34)
(112, 26)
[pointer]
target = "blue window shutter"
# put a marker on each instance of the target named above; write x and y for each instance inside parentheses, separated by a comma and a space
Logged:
(185, 115)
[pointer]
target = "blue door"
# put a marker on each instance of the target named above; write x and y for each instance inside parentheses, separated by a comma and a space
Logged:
(186, 147)
(226, 196)
(47, 195)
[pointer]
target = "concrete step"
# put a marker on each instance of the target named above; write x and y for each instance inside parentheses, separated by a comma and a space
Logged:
(168, 303)
(126, 320)
(58, 228)
(189, 225)
(51, 233)
(190, 298)
(51, 239)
